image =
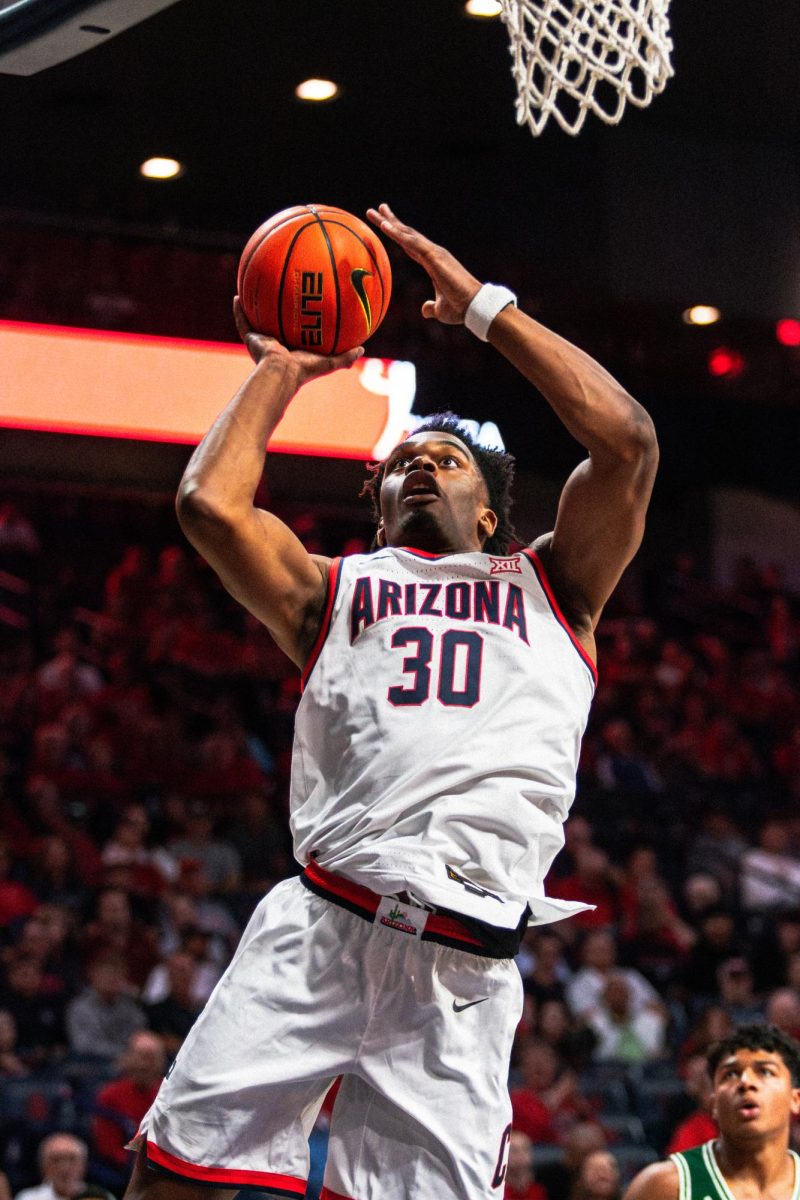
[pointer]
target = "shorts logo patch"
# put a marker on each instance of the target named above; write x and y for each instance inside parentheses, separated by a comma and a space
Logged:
(402, 917)
(498, 566)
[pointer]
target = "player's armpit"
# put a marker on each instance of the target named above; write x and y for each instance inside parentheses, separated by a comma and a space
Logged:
(659, 1181)
(599, 528)
(266, 568)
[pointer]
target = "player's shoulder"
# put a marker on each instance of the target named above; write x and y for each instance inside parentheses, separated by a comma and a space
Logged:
(659, 1181)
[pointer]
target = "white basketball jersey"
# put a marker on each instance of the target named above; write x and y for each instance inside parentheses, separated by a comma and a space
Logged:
(437, 739)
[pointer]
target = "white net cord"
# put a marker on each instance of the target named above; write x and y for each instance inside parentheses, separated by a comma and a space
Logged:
(571, 58)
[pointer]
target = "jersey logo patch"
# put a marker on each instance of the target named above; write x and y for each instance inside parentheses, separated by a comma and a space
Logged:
(498, 565)
(468, 885)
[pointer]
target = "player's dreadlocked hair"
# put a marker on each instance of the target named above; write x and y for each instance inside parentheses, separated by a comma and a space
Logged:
(496, 467)
(757, 1037)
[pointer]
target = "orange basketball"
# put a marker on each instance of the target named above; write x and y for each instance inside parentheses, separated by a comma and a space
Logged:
(316, 278)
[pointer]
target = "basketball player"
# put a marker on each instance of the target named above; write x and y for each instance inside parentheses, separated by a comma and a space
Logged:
(755, 1075)
(447, 683)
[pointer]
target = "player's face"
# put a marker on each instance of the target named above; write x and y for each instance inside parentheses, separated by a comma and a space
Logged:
(753, 1096)
(433, 496)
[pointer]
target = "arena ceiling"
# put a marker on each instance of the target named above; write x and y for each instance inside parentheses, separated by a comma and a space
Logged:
(696, 199)
(425, 118)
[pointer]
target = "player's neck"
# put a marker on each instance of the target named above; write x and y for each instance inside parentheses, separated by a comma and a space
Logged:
(765, 1164)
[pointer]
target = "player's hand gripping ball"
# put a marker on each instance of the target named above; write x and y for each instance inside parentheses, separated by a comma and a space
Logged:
(316, 278)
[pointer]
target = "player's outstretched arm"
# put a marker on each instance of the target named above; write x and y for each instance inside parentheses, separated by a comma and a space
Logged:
(659, 1181)
(258, 558)
(601, 515)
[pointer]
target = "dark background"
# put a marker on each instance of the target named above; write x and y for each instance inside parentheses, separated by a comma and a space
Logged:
(607, 236)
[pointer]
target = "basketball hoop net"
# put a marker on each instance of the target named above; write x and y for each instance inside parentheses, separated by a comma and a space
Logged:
(572, 57)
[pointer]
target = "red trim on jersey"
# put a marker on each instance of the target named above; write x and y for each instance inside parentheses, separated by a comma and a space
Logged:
(541, 575)
(334, 575)
(327, 1194)
(422, 553)
(261, 1179)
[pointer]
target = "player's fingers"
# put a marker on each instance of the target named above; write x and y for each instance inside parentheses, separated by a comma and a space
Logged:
(323, 364)
(243, 326)
(415, 244)
(429, 309)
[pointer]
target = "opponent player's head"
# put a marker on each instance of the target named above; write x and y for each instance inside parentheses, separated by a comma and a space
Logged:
(440, 491)
(755, 1077)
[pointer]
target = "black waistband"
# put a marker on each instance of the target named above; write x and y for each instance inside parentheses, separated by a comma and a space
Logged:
(444, 926)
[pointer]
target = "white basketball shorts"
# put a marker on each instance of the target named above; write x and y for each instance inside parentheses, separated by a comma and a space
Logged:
(330, 979)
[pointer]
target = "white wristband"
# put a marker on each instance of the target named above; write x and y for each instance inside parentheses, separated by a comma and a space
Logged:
(485, 305)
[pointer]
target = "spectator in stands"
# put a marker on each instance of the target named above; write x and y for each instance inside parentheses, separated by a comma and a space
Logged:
(39, 1018)
(598, 963)
(218, 859)
(572, 1041)
(259, 839)
(55, 877)
(16, 898)
(548, 1100)
(701, 892)
(152, 869)
(735, 985)
(583, 1139)
(114, 932)
(657, 940)
(67, 674)
(717, 848)
(180, 929)
(598, 1178)
(717, 942)
(577, 833)
(18, 536)
(622, 767)
(542, 964)
(593, 882)
(103, 1017)
(62, 1164)
(11, 1065)
(520, 1180)
(699, 1126)
(624, 1033)
(713, 1024)
(782, 1009)
(120, 1105)
(774, 949)
(770, 874)
(211, 915)
(173, 1016)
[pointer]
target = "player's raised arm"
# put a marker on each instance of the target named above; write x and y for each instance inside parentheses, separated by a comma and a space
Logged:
(600, 519)
(258, 558)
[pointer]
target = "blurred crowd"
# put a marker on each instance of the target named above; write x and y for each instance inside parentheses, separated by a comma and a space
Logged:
(145, 738)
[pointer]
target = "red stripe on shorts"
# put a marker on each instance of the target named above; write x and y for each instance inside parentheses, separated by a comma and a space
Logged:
(265, 1179)
(327, 1194)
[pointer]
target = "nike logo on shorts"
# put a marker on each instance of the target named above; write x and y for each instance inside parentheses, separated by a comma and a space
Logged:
(460, 1007)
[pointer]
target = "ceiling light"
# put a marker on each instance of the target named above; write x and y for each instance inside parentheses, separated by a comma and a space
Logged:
(787, 331)
(161, 168)
(483, 8)
(701, 314)
(316, 89)
(725, 363)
